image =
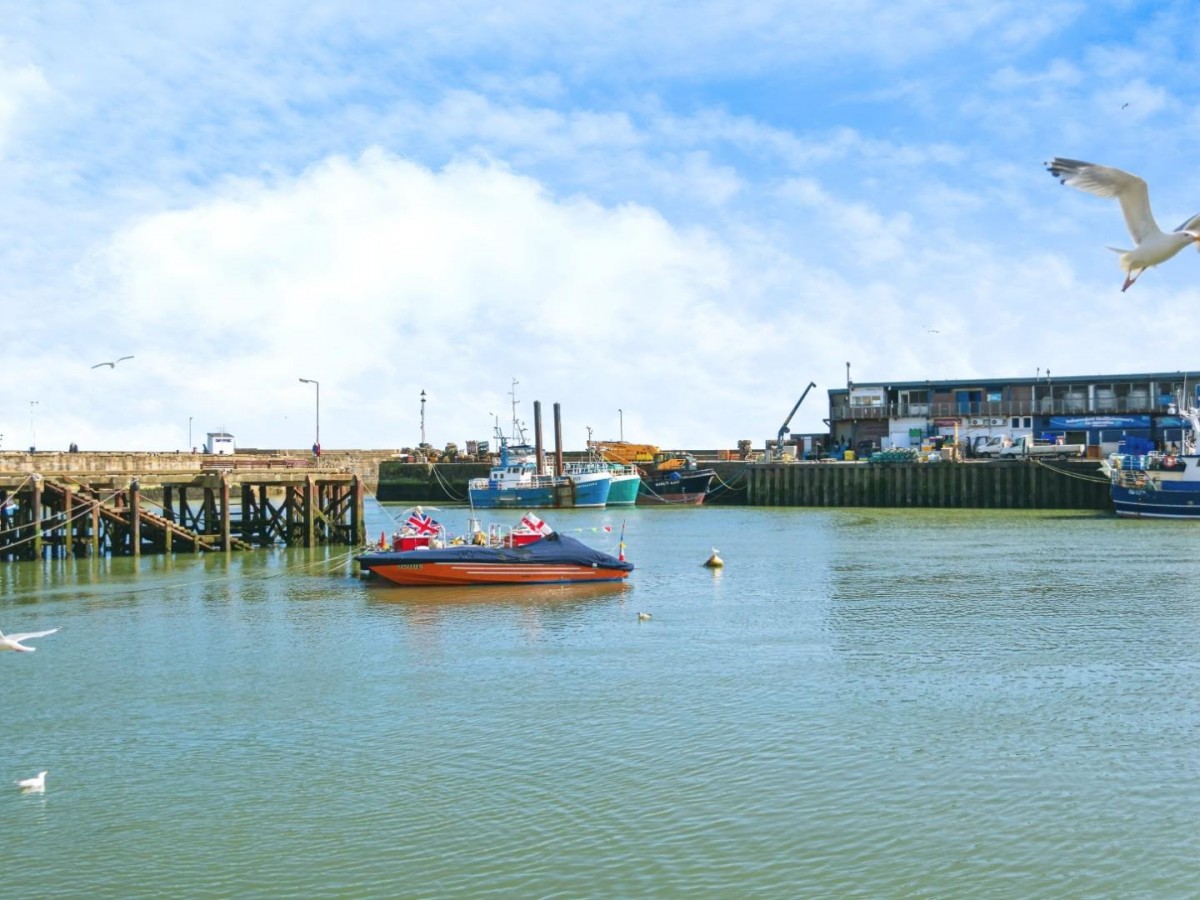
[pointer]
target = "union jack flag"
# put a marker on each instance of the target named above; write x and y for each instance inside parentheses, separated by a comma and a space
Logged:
(422, 523)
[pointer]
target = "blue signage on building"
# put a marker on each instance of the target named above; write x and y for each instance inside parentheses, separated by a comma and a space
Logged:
(1099, 422)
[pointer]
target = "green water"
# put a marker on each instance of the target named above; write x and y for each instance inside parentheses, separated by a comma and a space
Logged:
(860, 704)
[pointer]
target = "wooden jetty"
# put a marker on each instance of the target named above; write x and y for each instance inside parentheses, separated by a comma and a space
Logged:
(230, 504)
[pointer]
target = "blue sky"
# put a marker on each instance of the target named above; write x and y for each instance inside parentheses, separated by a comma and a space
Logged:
(667, 218)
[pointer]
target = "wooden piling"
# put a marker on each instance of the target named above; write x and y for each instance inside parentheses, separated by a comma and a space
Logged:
(135, 520)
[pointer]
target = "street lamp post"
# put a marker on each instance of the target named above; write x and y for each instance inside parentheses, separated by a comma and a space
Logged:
(32, 430)
(621, 422)
(191, 446)
(422, 415)
(317, 384)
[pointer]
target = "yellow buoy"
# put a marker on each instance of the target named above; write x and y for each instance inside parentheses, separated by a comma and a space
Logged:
(714, 561)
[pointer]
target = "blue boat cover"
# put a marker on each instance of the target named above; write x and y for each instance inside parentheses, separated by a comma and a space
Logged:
(553, 548)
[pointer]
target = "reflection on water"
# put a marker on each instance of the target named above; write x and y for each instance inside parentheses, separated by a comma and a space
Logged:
(497, 595)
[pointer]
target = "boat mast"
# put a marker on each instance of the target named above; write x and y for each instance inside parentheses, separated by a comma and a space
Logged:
(518, 430)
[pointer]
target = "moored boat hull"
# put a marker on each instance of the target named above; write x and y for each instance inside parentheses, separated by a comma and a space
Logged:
(624, 489)
(689, 488)
(419, 574)
(558, 496)
(1156, 503)
(590, 489)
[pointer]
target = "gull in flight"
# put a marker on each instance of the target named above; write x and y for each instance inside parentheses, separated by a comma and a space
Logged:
(1151, 245)
(13, 641)
(36, 784)
(113, 364)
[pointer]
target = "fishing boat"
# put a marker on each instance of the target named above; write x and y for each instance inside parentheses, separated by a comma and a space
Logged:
(618, 457)
(626, 480)
(1161, 484)
(675, 480)
(519, 479)
(531, 553)
(516, 482)
(592, 482)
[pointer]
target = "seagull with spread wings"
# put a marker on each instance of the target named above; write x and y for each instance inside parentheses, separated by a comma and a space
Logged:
(113, 364)
(13, 641)
(1151, 245)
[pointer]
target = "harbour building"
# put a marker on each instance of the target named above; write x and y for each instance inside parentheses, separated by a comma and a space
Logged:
(1101, 412)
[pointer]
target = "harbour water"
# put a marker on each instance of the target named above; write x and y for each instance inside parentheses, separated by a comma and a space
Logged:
(862, 703)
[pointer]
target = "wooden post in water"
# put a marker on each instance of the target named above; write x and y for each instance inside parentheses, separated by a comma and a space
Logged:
(35, 516)
(135, 519)
(225, 515)
(310, 503)
(538, 447)
(68, 529)
(249, 524)
(558, 442)
(358, 524)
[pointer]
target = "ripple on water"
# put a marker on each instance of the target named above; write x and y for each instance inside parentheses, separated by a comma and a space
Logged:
(874, 703)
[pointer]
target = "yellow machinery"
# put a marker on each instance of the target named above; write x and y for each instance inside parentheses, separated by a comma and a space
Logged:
(623, 452)
(673, 461)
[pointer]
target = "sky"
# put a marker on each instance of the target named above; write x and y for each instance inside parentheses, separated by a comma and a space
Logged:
(667, 218)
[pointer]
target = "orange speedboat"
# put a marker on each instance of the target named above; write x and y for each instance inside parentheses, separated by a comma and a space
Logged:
(498, 557)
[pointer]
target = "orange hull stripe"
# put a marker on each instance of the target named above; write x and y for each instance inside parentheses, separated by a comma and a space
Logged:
(483, 573)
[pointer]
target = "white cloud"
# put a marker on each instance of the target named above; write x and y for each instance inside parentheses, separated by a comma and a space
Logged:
(686, 213)
(21, 86)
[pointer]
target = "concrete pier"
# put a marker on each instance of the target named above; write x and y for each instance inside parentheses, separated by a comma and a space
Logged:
(970, 485)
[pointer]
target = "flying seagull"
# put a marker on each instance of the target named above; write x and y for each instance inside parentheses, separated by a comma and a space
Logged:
(36, 784)
(1151, 245)
(113, 364)
(13, 641)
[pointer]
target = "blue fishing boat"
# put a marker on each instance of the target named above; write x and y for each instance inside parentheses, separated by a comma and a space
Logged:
(592, 481)
(516, 480)
(1163, 484)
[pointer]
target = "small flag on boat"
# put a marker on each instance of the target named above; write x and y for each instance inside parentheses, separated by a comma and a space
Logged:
(422, 523)
(533, 523)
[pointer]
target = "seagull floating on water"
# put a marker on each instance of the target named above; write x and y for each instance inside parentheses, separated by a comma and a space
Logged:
(113, 364)
(37, 783)
(644, 617)
(1151, 245)
(13, 641)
